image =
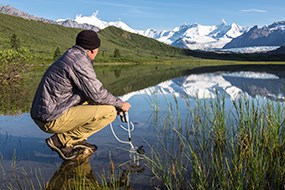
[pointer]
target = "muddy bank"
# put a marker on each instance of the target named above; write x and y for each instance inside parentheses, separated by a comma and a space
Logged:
(277, 69)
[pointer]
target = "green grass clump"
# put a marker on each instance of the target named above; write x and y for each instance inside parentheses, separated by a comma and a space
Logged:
(15, 176)
(213, 147)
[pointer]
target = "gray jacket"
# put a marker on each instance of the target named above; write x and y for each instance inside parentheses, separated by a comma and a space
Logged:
(69, 81)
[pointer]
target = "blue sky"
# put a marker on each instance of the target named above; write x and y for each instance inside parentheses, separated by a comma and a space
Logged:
(159, 14)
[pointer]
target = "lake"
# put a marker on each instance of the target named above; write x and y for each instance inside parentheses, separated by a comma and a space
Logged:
(26, 159)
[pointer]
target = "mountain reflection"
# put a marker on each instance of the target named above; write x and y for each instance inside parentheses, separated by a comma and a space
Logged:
(271, 88)
(230, 85)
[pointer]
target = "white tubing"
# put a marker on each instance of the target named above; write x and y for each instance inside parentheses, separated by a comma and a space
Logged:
(126, 129)
(129, 129)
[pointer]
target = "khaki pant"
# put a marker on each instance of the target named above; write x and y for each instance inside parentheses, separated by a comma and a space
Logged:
(80, 122)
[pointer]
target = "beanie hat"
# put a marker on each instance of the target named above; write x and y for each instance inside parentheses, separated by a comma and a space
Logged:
(88, 39)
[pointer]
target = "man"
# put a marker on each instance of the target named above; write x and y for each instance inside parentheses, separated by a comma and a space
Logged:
(71, 102)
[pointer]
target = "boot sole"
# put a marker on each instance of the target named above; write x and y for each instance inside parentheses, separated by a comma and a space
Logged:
(92, 150)
(55, 148)
(85, 153)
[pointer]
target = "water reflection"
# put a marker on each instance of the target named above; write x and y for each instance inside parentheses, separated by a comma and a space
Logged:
(20, 139)
(230, 85)
(79, 175)
(271, 88)
(73, 175)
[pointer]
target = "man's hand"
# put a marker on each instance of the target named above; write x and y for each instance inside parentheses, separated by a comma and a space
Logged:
(126, 106)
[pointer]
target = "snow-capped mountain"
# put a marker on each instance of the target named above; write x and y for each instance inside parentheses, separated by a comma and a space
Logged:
(196, 36)
(191, 36)
(271, 35)
(95, 21)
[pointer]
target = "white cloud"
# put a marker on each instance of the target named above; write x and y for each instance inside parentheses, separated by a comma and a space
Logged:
(254, 10)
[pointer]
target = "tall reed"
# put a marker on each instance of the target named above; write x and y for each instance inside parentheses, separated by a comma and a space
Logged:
(220, 144)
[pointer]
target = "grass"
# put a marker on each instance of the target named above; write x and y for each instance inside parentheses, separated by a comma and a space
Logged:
(213, 147)
(14, 176)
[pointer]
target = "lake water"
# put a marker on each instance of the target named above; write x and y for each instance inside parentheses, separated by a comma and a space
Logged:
(25, 155)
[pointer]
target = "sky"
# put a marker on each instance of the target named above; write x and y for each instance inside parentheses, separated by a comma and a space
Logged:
(159, 14)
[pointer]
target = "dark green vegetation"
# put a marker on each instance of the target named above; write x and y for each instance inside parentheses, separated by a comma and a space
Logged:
(40, 38)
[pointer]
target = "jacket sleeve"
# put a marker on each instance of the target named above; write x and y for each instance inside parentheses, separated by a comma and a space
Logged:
(86, 81)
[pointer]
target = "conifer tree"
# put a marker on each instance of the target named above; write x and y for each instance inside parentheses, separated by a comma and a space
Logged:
(117, 53)
(15, 42)
(56, 53)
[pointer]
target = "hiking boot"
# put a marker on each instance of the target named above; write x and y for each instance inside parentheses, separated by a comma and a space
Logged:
(85, 149)
(84, 144)
(83, 154)
(66, 153)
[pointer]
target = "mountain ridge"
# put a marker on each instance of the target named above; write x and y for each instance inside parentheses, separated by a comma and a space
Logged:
(202, 37)
(7, 9)
(187, 36)
(270, 35)
(184, 36)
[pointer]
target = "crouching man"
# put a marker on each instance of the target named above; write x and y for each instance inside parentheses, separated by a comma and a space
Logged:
(71, 102)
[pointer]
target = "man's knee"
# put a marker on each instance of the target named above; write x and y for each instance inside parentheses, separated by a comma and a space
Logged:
(113, 112)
